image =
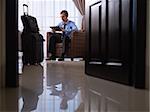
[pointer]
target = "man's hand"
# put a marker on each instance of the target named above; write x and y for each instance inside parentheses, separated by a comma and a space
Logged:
(53, 30)
(62, 29)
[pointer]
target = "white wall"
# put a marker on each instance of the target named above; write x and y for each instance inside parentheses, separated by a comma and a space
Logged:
(2, 43)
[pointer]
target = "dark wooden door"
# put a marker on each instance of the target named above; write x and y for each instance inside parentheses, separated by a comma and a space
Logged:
(110, 40)
(12, 78)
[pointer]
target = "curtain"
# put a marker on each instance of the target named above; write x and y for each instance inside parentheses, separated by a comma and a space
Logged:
(80, 4)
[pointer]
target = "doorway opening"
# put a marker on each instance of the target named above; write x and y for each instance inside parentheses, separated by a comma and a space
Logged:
(47, 14)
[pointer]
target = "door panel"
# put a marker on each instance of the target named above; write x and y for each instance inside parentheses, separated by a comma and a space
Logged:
(95, 30)
(110, 40)
(113, 42)
(105, 57)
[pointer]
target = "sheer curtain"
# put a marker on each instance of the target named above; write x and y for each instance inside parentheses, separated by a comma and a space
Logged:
(47, 13)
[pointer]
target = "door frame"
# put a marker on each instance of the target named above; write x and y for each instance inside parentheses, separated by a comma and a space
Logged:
(2, 43)
(139, 44)
(11, 44)
(138, 65)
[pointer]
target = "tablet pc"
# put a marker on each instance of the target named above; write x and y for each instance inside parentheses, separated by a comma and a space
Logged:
(56, 28)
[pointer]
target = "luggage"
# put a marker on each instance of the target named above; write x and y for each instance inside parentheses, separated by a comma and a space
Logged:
(32, 41)
(29, 22)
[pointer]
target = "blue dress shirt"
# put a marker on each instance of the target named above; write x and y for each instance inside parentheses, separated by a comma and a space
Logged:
(69, 27)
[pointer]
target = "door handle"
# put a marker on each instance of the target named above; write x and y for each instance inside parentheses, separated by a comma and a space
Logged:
(113, 64)
(95, 63)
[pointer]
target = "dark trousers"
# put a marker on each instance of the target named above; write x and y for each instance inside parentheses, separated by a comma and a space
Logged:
(58, 38)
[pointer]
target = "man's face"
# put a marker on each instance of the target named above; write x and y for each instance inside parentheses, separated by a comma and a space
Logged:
(63, 17)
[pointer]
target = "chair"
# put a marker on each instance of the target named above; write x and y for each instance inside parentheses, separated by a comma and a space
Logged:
(77, 46)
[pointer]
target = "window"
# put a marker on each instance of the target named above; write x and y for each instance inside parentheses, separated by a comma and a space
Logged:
(47, 13)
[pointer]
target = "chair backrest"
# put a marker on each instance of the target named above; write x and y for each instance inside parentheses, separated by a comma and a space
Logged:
(77, 45)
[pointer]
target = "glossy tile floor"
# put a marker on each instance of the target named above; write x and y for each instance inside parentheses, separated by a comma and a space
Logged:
(64, 87)
(55, 87)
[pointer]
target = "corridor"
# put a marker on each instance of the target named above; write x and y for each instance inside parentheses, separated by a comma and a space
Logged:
(63, 87)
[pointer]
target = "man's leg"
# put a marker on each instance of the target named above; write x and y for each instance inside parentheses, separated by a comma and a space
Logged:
(66, 41)
(55, 38)
(63, 47)
(67, 44)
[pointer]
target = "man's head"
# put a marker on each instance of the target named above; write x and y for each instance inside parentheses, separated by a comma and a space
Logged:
(64, 15)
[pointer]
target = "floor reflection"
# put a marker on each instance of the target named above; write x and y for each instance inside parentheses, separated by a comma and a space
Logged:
(66, 85)
(55, 87)
(107, 96)
(31, 87)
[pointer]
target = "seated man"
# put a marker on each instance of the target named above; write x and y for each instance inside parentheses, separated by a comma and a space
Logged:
(67, 27)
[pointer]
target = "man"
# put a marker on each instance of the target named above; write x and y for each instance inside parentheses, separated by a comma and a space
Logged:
(67, 27)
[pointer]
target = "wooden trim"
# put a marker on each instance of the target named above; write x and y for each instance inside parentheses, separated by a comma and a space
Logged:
(2, 43)
(139, 40)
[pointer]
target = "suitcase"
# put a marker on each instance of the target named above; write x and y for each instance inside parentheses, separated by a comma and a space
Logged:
(29, 22)
(32, 47)
(39, 49)
(32, 41)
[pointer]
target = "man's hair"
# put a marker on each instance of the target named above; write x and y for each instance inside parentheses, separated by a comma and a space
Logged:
(64, 12)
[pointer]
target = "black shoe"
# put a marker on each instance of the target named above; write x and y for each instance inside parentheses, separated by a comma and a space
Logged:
(61, 59)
